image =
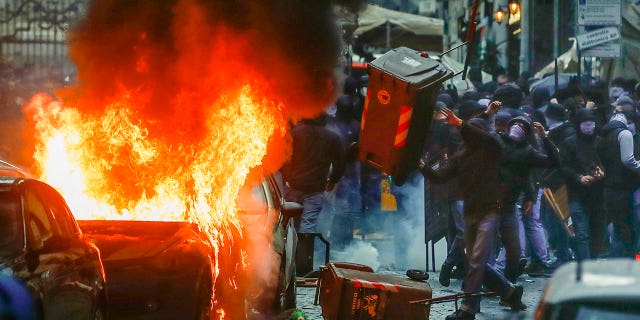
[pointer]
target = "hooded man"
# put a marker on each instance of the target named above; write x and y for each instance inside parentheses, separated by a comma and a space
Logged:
(583, 173)
(560, 129)
(476, 166)
(622, 171)
(519, 158)
(444, 199)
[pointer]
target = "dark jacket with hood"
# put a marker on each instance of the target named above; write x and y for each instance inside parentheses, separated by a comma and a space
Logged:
(444, 142)
(580, 157)
(617, 175)
(553, 177)
(476, 166)
(315, 150)
(519, 158)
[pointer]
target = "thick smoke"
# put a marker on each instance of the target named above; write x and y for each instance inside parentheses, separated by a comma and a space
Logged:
(170, 49)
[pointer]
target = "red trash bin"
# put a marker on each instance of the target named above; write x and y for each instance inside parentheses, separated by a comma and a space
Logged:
(402, 91)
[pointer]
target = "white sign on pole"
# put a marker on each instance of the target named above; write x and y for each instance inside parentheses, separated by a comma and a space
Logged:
(599, 12)
(597, 37)
(607, 50)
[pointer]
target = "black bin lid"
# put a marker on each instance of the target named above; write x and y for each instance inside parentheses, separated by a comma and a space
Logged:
(409, 66)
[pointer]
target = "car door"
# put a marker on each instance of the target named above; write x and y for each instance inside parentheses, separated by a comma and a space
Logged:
(54, 244)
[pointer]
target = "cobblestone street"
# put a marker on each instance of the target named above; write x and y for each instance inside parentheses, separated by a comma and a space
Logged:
(490, 309)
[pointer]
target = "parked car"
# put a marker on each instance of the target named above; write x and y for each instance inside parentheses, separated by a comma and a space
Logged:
(41, 244)
(603, 289)
(164, 270)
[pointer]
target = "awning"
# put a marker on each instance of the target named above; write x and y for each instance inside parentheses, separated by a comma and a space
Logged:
(380, 27)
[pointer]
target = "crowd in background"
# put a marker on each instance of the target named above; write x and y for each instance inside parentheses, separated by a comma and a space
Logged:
(567, 176)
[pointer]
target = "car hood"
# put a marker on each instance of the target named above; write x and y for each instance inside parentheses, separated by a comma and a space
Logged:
(601, 280)
(131, 240)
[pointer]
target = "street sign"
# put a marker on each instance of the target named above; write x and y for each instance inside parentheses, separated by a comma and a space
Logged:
(599, 12)
(607, 50)
(597, 37)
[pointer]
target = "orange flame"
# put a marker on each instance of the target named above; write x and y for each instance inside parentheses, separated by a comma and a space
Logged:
(199, 183)
(178, 103)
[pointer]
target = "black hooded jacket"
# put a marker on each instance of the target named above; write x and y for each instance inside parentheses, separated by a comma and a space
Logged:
(518, 159)
(617, 175)
(553, 177)
(579, 155)
(475, 166)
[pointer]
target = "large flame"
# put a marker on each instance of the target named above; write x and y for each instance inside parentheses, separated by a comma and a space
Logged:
(78, 154)
(178, 102)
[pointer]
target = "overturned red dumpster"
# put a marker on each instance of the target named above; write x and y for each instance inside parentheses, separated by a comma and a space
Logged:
(351, 291)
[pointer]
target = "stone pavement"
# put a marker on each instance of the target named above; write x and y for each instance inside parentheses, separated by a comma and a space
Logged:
(490, 309)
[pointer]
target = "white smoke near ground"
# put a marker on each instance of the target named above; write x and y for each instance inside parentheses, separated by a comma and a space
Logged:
(361, 252)
(398, 240)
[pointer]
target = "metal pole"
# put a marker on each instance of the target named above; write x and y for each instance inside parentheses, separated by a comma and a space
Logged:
(525, 27)
(579, 67)
(388, 35)
(556, 22)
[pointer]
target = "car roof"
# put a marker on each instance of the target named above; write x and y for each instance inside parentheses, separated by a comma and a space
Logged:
(601, 280)
(8, 169)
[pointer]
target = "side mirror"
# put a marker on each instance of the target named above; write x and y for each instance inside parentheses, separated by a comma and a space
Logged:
(291, 209)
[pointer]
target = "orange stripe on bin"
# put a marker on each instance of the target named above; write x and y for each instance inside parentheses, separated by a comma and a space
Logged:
(376, 285)
(364, 112)
(403, 126)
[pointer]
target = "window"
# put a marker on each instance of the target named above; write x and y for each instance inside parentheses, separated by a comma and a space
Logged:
(61, 215)
(11, 223)
(252, 199)
(39, 228)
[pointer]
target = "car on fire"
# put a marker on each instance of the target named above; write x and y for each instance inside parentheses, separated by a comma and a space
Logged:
(165, 270)
(594, 289)
(42, 245)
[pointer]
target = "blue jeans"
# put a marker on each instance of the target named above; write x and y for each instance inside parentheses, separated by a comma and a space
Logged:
(311, 207)
(533, 241)
(581, 228)
(531, 236)
(558, 237)
(480, 238)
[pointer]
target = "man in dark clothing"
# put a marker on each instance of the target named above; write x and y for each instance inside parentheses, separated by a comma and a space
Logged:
(316, 150)
(519, 158)
(560, 129)
(476, 166)
(622, 171)
(444, 199)
(540, 99)
(582, 169)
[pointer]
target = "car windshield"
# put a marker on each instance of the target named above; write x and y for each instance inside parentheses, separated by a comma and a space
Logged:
(10, 226)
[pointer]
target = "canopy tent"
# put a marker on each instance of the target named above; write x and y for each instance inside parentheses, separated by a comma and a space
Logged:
(384, 28)
(625, 66)
(567, 63)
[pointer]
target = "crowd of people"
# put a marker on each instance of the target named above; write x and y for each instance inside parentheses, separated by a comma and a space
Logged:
(512, 156)
(529, 179)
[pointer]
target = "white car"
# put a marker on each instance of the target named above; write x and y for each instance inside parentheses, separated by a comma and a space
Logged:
(604, 289)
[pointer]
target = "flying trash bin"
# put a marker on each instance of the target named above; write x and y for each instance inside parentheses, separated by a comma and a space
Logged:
(402, 91)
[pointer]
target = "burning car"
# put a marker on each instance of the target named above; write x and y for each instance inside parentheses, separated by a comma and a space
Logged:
(41, 244)
(167, 270)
